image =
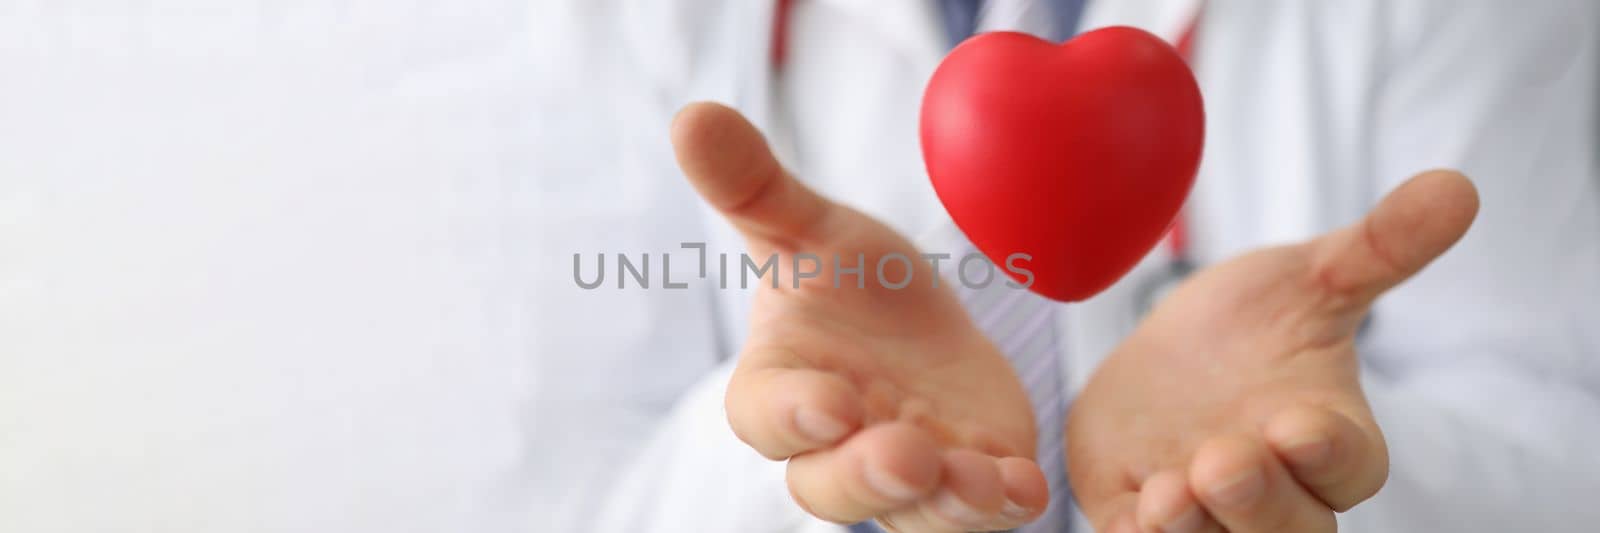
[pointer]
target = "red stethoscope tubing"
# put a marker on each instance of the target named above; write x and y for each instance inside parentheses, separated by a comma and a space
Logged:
(780, 35)
(1178, 235)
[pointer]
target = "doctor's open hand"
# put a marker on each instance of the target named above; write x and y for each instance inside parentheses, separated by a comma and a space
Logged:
(887, 404)
(1236, 404)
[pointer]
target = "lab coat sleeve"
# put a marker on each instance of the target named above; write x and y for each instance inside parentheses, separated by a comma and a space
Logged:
(1484, 371)
(695, 475)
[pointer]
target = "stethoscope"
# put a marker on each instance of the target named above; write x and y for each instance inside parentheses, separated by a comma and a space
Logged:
(1178, 268)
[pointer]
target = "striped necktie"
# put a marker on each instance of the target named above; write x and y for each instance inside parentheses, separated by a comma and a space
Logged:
(1023, 325)
(1055, 20)
(1028, 16)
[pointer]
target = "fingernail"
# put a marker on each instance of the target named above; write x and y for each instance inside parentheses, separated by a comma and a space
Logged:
(1188, 522)
(1309, 453)
(818, 426)
(888, 484)
(1013, 512)
(1240, 490)
(952, 508)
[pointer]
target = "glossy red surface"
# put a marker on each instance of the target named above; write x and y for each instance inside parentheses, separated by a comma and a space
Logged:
(1078, 154)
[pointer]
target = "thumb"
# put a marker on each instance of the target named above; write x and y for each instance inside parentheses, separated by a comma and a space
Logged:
(728, 161)
(1410, 227)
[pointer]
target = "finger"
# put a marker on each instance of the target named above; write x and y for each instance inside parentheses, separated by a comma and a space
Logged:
(1124, 521)
(880, 468)
(1027, 493)
(1244, 488)
(1117, 513)
(1333, 457)
(729, 163)
(1167, 505)
(1410, 227)
(971, 497)
(782, 411)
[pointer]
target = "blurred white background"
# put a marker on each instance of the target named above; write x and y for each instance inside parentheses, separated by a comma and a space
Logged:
(270, 265)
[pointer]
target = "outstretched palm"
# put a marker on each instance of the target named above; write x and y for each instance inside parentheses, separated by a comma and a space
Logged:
(888, 403)
(1237, 403)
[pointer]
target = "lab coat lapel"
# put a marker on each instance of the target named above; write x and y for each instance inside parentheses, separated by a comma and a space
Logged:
(912, 27)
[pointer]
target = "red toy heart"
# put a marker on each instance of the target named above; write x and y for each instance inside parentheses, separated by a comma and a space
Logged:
(1078, 154)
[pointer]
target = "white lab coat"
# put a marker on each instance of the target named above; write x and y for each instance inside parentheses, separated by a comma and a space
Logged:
(1484, 371)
